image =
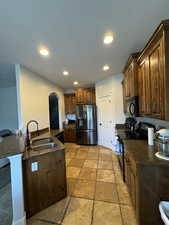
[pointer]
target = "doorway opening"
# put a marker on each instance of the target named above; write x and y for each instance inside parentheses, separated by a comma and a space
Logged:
(53, 111)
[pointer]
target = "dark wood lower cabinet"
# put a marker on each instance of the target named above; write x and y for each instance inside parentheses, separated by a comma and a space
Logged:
(70, 133)
(148, 185)
(47, 185)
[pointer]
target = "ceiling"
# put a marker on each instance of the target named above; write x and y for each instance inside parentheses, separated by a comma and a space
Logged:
(73, 31)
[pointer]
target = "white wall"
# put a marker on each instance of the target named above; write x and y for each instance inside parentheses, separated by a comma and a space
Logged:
(34, 98)
(111, 87)
(8, 111)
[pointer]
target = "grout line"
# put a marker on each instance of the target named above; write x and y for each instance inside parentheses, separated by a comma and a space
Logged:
(65, 210)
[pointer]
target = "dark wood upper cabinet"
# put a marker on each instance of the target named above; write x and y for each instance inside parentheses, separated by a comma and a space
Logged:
(70, 103)
(85, 96)
(144, 88)
(153, 70)
(130, 82)
(147, 75)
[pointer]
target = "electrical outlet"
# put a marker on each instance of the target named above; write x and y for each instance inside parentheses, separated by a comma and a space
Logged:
(34, 166)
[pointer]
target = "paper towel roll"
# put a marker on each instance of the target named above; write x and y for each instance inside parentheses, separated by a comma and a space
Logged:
(151, 136)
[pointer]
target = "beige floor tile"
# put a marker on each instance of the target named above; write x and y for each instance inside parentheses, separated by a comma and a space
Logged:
(71, 185)
(107, 165)
(106, 157)
(67, 161)
(124, 197)
(88, 174)
(37, 222)
(92, 155)
(91, 163)
(116, 166)
(118, 177)
(84, 189)
(79, 212)
(114, 157)
(81, 155)
(105, 176)
(128, 215)
(54, 213)
(106, 213)
(106, 151)
(70, 155)
(94, 148)
(84, 148)
(106, 192)
(73, 172)
(76, 162)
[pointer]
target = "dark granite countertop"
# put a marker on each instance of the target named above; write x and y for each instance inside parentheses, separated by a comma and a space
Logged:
(139, 150)
(142, 153)
(14, 145)
(29, 153)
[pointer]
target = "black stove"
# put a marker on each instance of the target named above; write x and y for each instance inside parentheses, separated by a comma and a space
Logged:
(127, 135)
(139, 133)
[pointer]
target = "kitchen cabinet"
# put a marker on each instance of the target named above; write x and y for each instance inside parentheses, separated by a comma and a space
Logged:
(47, 184)
(130, 179)
(85, 96)
(124, 96)
(70, 103)
(147, 181)
(153, 70)
(70, 133)
(144, 88)
(130, 82)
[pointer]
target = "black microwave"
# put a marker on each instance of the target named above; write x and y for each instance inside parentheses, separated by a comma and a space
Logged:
(132, 106)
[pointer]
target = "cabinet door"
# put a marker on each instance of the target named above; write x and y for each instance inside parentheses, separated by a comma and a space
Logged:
(124, 97)
(127, 84)
(70, 103)
(157, 78)
(85, 96)
(144, 87)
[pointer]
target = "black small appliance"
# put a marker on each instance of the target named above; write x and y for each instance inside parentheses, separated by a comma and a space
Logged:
(132, 106)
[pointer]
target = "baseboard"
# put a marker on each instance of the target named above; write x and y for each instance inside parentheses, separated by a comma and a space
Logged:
(21, 221)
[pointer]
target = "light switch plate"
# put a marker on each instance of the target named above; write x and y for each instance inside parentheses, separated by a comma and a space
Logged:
(34, 166)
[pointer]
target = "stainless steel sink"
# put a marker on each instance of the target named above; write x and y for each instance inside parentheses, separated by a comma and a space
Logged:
(41, 141)
(42, 144)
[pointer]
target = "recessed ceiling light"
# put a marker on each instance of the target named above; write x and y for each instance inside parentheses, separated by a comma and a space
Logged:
(75, 82)
(105, 68)
(65, 73)
(44, 52)
(108, 38)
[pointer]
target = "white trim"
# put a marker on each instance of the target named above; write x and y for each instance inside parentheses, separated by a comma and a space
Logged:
(17, 74)
(19, 217)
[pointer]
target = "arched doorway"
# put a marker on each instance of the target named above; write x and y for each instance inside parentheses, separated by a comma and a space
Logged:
(53, 111)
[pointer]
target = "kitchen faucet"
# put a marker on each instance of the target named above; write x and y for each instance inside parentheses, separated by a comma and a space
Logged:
(28, 133)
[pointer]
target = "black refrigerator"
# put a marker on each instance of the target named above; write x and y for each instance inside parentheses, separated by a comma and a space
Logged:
(86, 124)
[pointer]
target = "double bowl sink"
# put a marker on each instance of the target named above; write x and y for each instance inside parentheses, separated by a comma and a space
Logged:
(42, 143)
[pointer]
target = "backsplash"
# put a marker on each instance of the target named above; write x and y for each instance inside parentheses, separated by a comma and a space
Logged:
(157, 123)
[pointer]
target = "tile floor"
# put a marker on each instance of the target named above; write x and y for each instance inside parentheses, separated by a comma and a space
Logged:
(96, 192)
